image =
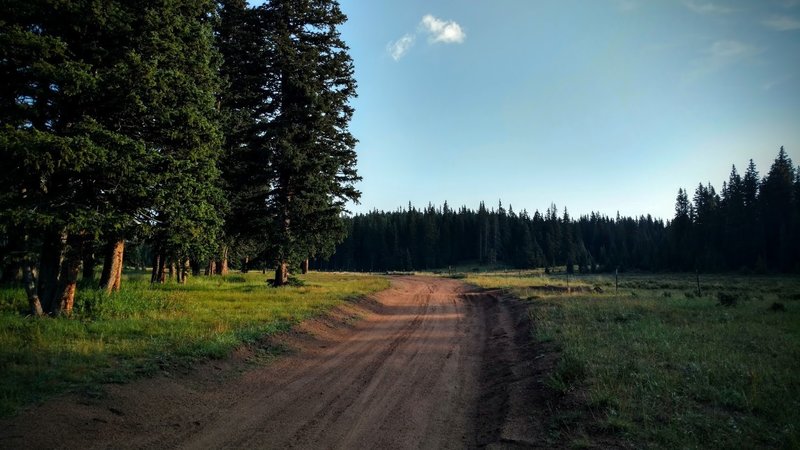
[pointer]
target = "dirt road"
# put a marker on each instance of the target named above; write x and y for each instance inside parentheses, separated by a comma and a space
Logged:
(433, 364)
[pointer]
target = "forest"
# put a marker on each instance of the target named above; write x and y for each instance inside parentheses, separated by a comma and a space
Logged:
(201, 130)
(751, 225)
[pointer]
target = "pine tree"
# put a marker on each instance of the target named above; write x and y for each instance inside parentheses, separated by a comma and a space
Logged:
(245, 112)
(312, 155)
(177, 65)
(73, 169)
(777, 205)
(682, 248)
(733, 211)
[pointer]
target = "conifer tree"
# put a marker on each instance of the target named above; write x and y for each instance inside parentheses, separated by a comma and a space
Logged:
(777, 209)
(245, 112)
(312, 157)
(71, 166)
(177, 64)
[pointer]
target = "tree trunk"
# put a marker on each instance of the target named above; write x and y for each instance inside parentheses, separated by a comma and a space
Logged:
(111, 278)
(49, 267)
(30, 286)
(68, 278)
(171, 270)
(281, 274)
(156, 263)
(222, 265)
(245, 264)
(119, 258)
(183, 270)
(211, 269)
(305, 266)
(161, 275)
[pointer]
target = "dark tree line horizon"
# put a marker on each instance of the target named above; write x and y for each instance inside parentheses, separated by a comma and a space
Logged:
(752, 224)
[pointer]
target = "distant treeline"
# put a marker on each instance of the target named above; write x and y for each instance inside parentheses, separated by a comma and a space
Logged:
(752, 224)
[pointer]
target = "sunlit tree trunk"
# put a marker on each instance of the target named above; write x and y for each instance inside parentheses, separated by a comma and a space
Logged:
(282, 274)
(222, 264)
(111, 278)
(68, 278)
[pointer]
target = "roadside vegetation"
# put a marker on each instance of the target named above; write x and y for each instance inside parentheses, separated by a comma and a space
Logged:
(657, 365)
(146, 328)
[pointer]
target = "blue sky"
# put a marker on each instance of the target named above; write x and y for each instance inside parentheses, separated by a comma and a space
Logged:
(602, 105)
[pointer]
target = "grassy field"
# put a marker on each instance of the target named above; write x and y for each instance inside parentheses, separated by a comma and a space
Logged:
(654, 365)
(143, 329)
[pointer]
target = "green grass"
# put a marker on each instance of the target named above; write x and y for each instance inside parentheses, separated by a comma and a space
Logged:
(144, 329)
(657, 366)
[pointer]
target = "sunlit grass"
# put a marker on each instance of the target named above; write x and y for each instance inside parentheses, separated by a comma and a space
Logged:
(659, 366)
(143, 329)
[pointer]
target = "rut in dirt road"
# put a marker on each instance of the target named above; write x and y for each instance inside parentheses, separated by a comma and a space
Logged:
(434, 365)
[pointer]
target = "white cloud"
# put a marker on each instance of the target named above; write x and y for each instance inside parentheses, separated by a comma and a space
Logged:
(448, 32)
(781, 23)
(708, 8)
(400, 47)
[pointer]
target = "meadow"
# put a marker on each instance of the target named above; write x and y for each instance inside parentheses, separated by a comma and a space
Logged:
(655, 364)
(144, 329)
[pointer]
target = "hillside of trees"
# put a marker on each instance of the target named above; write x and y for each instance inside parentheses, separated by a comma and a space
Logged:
(201, 131)
(752, 224)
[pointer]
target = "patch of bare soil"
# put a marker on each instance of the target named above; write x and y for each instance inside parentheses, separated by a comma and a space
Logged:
(428, 363)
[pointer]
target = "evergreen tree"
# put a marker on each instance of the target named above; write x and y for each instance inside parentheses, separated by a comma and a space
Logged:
(733, 212)
(178, 67)
(777, 209)
(245, 113)
(74, 172)
(312, 151)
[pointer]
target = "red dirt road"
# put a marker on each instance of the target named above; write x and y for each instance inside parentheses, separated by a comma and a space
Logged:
(433, 364)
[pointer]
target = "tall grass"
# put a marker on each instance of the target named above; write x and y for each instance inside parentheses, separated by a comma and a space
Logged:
(143, 329)
(659, 366)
